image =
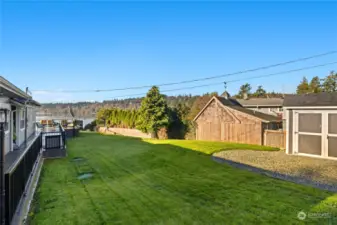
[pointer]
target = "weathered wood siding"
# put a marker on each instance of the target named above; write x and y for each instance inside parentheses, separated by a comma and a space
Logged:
(275, 138)
(218, 123)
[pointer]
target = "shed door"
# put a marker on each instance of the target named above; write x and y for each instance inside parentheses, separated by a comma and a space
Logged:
(332, 135)
(308, 133)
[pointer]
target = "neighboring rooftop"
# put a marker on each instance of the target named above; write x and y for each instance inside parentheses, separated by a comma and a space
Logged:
(312, 99)
(234, 104)
(228, 101)
(261, 102)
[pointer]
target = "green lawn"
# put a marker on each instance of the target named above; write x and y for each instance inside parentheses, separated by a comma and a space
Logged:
(209, 147)
(165, 182)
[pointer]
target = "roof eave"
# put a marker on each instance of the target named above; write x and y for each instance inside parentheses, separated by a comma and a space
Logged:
(262, 105)
(311, 106)
(12, 88)
(34, 103)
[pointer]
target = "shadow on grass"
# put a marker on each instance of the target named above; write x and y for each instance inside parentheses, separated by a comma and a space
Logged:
(204, 185)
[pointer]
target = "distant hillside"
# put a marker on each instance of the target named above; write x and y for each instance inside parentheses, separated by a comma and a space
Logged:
(89, 109)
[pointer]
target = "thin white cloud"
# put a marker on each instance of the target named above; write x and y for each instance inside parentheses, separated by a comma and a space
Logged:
(45, 97)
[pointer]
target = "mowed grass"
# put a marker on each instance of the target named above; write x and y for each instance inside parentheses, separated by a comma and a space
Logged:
(210, 147)
(138, 182)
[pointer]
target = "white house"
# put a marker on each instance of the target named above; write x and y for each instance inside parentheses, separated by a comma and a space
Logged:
(19, 112)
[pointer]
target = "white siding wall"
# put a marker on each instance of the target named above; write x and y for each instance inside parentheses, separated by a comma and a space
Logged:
(8, 135)
(20, 133)
(20, 130)
(30, 126)
(31, 121)
(4, 104)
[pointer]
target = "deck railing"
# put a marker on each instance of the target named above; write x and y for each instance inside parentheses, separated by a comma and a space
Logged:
(71, 132)
(17, 176)
(53, 138)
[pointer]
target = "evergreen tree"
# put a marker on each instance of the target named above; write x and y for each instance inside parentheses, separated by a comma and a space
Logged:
(315, 85)
(103, 116)
(330, 83)
(303, 87)
(182, 111)
(153, 112)
(244, 89)
(115, 117)
(260, 92)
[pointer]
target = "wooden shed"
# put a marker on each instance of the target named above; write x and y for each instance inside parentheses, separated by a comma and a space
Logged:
(312, 125)
(224, 119)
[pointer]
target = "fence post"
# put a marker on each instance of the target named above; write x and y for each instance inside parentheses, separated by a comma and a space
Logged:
(63, 139)
(2, 173)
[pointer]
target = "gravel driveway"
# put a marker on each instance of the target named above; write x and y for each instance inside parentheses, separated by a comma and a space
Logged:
(318, 170)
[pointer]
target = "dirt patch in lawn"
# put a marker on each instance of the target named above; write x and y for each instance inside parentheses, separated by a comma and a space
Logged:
(318, 170)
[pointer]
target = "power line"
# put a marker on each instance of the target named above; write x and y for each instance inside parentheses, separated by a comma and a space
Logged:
(195, 80)
(232, 81)
(289, 71)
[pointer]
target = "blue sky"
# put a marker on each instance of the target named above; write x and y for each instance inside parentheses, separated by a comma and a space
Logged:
(58, 45)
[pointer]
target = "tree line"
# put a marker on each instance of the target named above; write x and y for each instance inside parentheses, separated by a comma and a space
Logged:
(115, 117)
(89, 109)
(153, 115)
(174, 113)
(246, 91)
(317, 84)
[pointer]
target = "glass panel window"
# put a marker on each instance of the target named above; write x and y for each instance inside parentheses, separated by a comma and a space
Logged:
(332, 151)
(332, 123)
(22, 119)
(310, 144)
(310, 122)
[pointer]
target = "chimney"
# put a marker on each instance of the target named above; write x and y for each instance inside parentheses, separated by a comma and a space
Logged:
(245, 96)
(226, 95)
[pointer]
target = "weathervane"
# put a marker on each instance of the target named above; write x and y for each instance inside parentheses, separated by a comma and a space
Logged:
(225, 85)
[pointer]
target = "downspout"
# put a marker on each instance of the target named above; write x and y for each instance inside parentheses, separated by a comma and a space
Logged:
(26, 121)
(2, 175)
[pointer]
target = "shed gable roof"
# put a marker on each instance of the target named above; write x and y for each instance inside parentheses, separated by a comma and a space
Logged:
(312, 99)
(233, 104)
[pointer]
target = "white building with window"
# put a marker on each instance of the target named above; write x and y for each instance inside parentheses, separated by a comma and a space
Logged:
(19, 111)
(273, 106)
